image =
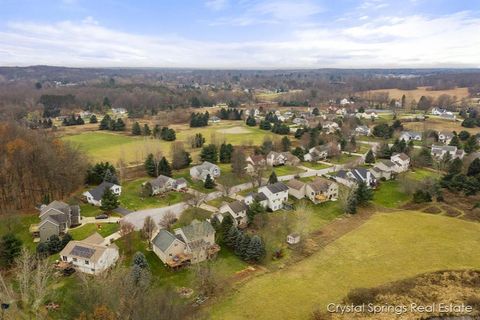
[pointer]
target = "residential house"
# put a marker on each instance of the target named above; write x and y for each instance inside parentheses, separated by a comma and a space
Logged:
(368, 114)
(296, 188)
(94, 196)
(411, 135)
(276, 194)
(119, 111)
(201, 171)
(55, 219)
(281, 158)
(214, 119)
(260, 197)
(449, 116)
(354, 176)
(363, 131)
(439, 152)
(238, 210)
(255, 161)
(438, 111)
(321, 190)
(162, 184)
(330, 126)
(345, 101)
(321, 152)
(445, 137)
(402, 161)
(300, 121)
(91, 255)
(191, 244)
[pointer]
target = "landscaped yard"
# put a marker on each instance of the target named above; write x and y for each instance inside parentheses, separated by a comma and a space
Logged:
(19, 224)
(133, 200)
(104, 229)
(218, 201)
(283, 171)
(420, 174)
(193, 184)
(386, 248)
(389, 195)
(344, 158)
(189, 214)
(89, 210)
(315, 165)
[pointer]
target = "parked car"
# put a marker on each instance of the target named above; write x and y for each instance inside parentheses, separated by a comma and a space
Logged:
(102, 216)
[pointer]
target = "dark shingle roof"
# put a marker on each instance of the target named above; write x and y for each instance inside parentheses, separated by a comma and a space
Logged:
(237, 206)
(277, 187)
(97, 192)
(164, 239)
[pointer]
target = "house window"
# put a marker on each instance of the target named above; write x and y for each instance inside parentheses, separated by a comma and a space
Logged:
(74, 259)
(86, 262)
(64, 258)
(93, 270)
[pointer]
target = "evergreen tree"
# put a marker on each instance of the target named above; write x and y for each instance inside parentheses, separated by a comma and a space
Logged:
(65, 240)
(97, 173)
(363, 193)
(136, 130)
(106, 102)
(351, 205)
(164, 167)
(370, 157)
(226, 153)
(286, 144)
(238, 247)
(299, 153)
(455, 141)
(110, 177)
(230, 237)
(146, 130)
(265, 125)
(474, 168)
(119, 125)
(384, 151)
(140, 260)
(242, 251)
(227, 223)
(198, 141)
(455, 167)
(209, 183)
(255, 250)
(156, 131)
(93, 119)
(10, 247)
(273, 178)
(79, 121)
(254, 209)
(251, 121)
(150, 166)
(109, 200)
(470, 145)
(105, 124)
(54, 244)
(315, 111)
(209, 153)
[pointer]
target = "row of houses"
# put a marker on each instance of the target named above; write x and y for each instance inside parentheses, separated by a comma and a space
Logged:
(443, 136)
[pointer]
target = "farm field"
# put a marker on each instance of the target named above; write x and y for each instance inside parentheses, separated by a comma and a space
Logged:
(438, 124)
(421, 91)
(404, 243)
(108, 146)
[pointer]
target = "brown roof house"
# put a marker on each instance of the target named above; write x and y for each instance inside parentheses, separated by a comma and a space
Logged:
(190, 244)
(321, 190)
(91, 255)
(56, 218)
(238, 210)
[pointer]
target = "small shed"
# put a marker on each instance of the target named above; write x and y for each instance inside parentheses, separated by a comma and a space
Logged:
(293, 238)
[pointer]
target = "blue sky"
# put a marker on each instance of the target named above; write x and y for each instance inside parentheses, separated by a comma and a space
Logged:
(241, 34)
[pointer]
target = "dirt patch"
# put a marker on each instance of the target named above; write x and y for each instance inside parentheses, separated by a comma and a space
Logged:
(432, 209)
(234, 130)
(451, 212)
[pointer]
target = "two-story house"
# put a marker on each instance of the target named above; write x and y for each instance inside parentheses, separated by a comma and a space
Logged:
(162, 184)
(277, 195)
(56, 218)
(201, 171)
(238, 211)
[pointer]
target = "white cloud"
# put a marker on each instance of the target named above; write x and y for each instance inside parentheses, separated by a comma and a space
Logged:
(216, 5)
(409, 41)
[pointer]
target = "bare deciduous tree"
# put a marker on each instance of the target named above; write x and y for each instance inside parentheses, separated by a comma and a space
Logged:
(168, 219)
(148, 229)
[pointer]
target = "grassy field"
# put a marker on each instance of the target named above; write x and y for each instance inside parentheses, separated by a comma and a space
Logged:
(218, 201)
(421, 91)
(389, 195)
(386, 248)
(438, 124)
(283, 171)
(314, 165)
(104, 229)
(344, 158)
(108, 146)
(420, 174)
(18, 225)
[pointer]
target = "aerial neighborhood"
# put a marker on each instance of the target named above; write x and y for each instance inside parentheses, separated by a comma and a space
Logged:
(233, 181)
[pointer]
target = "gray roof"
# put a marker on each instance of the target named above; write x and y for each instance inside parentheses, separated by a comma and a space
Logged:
(258, 196)
(179, 181)
(75, 211)
(204, 166)
(164, 239)
(237, 206)
(97, 192)
(277, 187)
(159, 181)
(197, 230)
(320, 184)
(388, 163)
(444, 148)
(57, 205)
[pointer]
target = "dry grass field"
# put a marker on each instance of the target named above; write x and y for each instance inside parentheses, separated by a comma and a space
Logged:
(437, 124)
(421, 91)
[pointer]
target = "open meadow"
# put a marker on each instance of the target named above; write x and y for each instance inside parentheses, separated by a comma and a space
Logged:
(419, 92)
(405, 243)
(111, 146)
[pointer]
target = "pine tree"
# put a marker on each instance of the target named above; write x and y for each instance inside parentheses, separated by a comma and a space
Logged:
(10, 248)
(105, 124)
(109, 200)
(455, 141)
(230, 236)
(242, 251)
(299, 153)
(363, 193)
(273, 178)
(93, 119)
(164, 167)
(119, 125)
(254, 209)
(226, 153)
(251, 121)
(370, 157)
(136, 130)
(146, 130)
(286, 144)
(209, 153)
(110, 177)
(226, 224)
(54, 244)
(209, 183)
(140, 260)
(256, 250)
(474, 168)
(150, 166)
(238, 247)
(351, 205)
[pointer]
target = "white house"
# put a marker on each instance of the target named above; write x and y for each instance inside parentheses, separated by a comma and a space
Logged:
(344, 101)
(439, 152)
(119, 111)
(191, 244)
(411, 135)
(276, 194)
(438, 111)
(445, 137)
(402, 161)
(163, 184)
(356, 175)
(91, 255)
(256, 196)
(201, 171)
(94, 196)
(330, 126)
(363, 131)
(238, 210)
(281, 158)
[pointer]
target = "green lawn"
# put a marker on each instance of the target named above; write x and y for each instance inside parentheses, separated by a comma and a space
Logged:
(386, 248)
(132, 199)
(110, 146)
(283, 171)
(104, 229)
(421, 173)
(218, 201)
(315, 165)
(189, 214)
(88, 210)
(19, 224)
(343, 158)
(389, 195)
(193, 184)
